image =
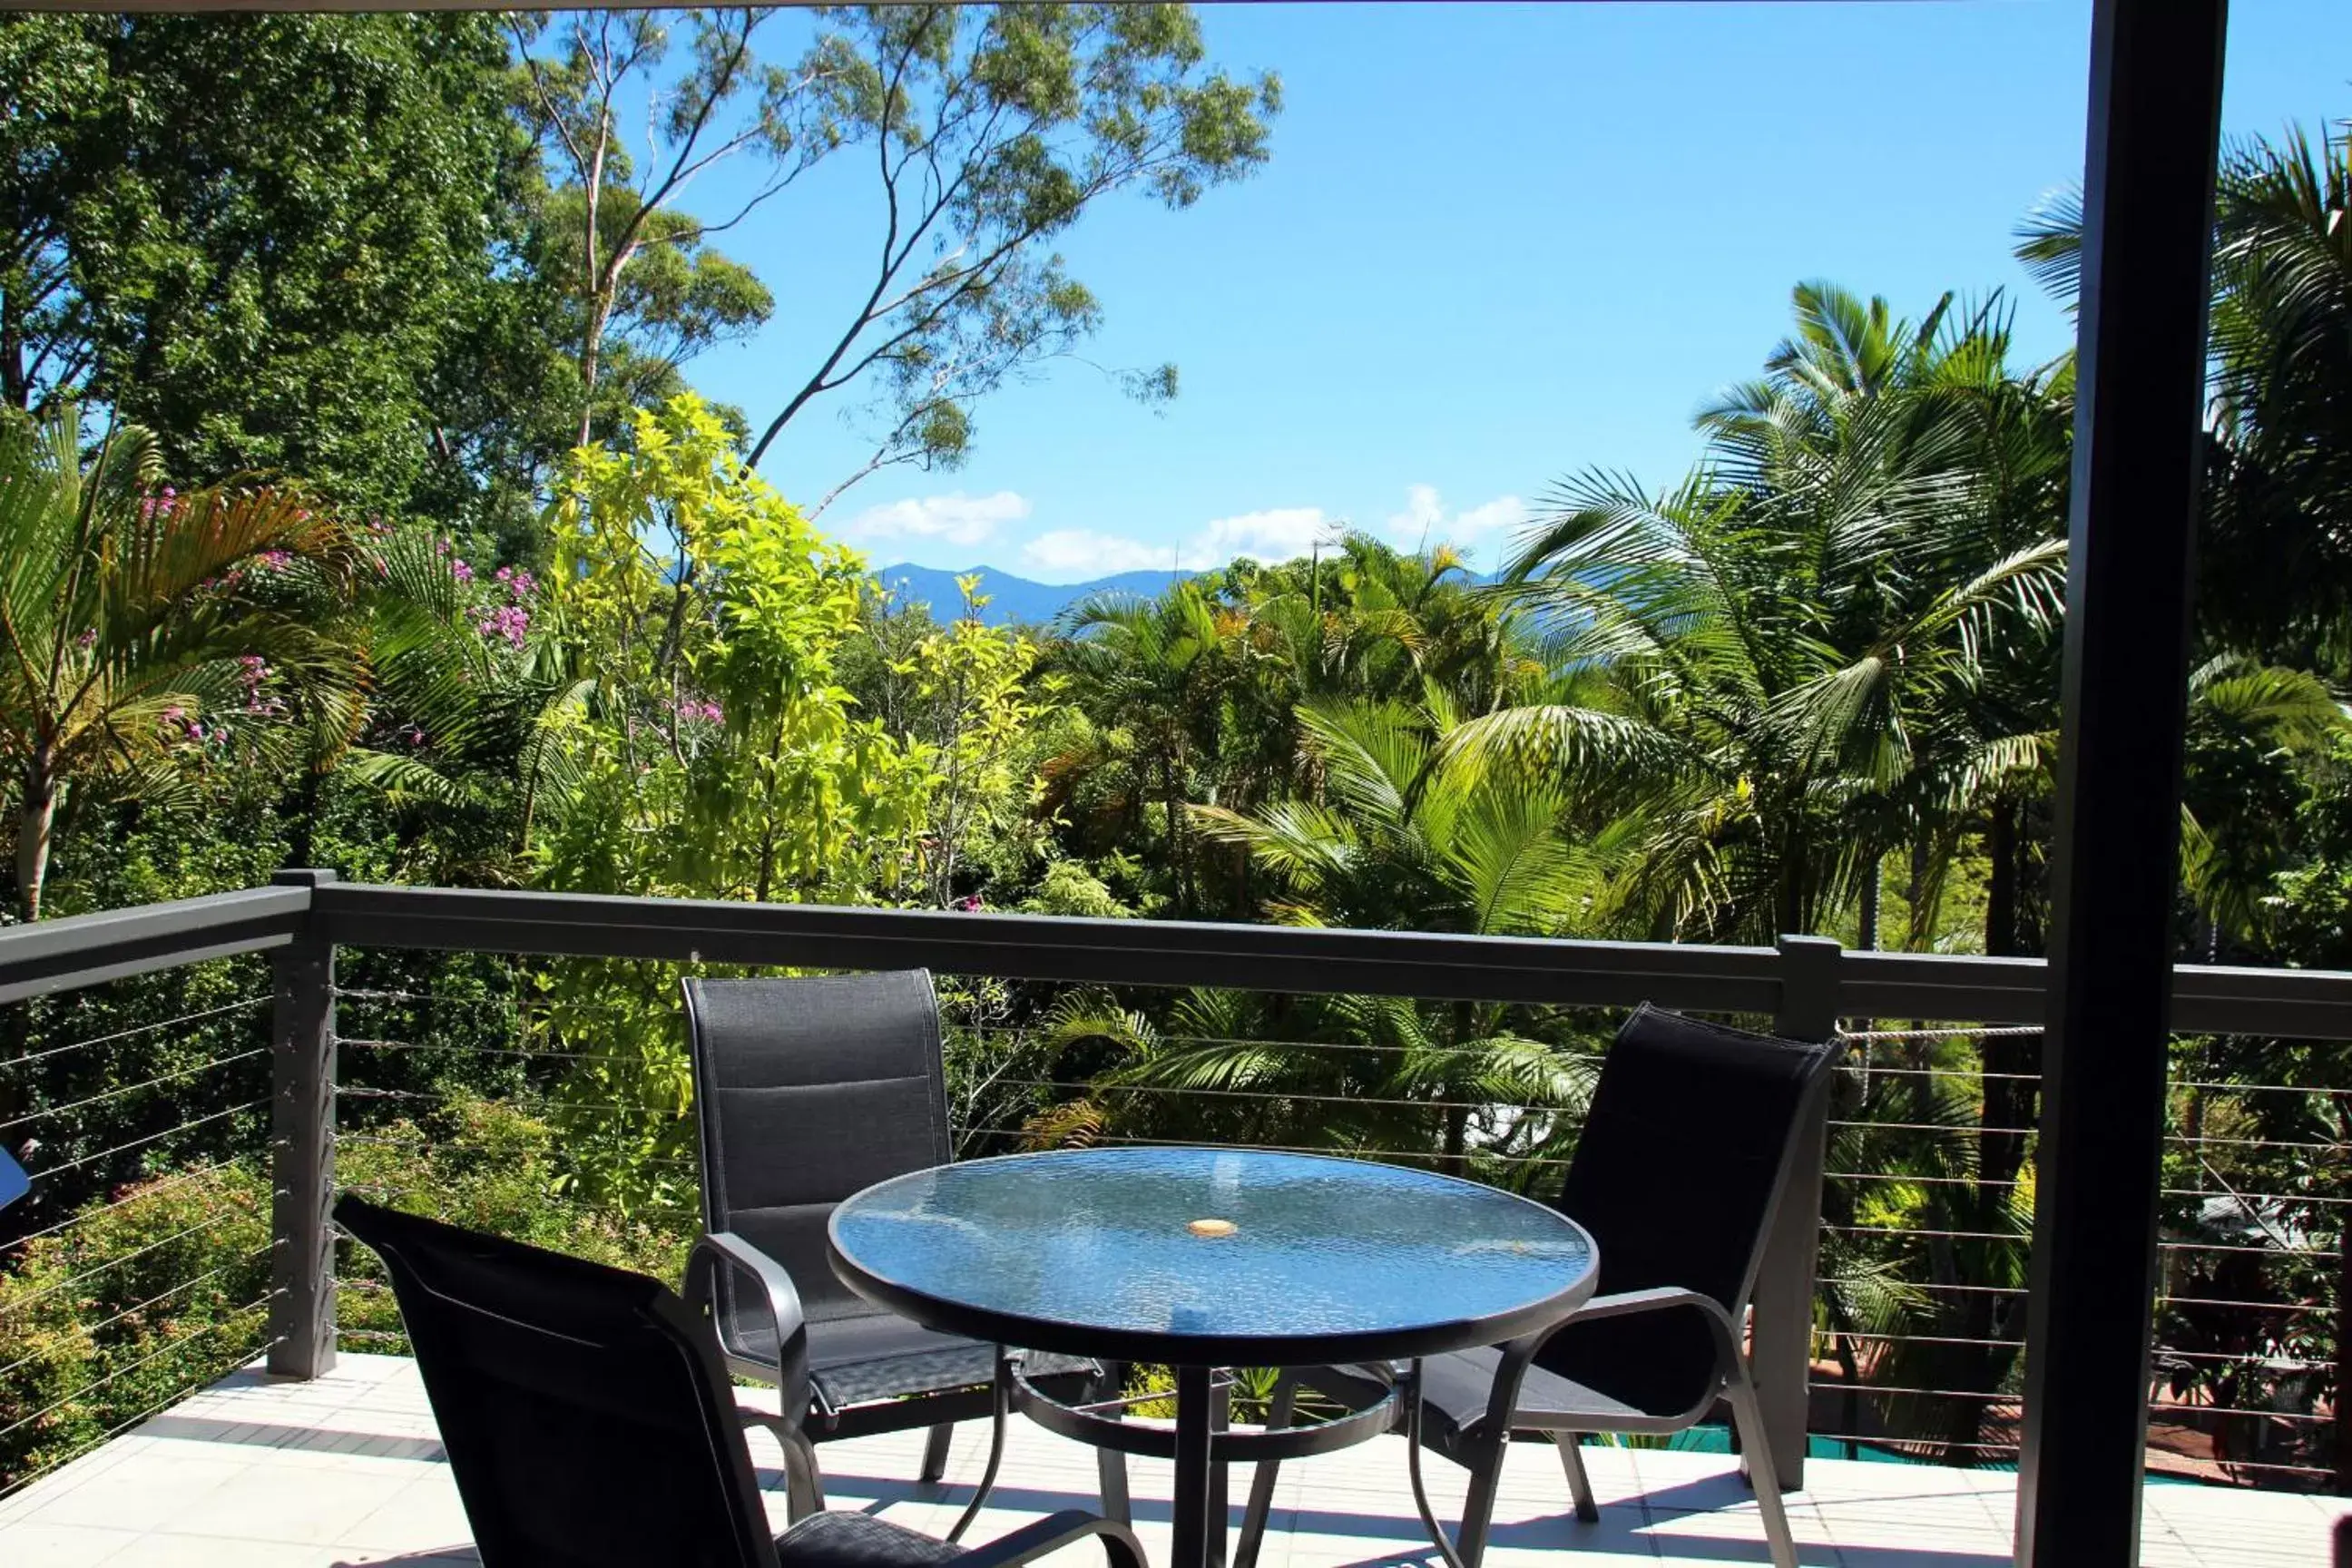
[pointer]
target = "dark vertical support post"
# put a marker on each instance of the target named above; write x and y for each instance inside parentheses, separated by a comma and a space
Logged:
(1780, 1339)
(1189, 1524)
(2148, 223)
(1221, 1418)
(302, 1151)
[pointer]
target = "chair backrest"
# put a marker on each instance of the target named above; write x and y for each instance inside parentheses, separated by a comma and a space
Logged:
(806, 1091)
(1689, 1142)
(586, 1418)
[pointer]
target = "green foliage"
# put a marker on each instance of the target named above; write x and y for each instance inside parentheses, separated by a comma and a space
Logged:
(153, 1290)
(489, 1166)
(254, 234)
(143, 633)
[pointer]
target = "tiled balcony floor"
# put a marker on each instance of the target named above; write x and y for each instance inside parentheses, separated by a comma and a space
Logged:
(260, 1474)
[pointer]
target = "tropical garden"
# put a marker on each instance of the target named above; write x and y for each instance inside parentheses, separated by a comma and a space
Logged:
(402, 545)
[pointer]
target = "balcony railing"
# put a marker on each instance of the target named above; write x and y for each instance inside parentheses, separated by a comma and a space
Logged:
(344, 1068)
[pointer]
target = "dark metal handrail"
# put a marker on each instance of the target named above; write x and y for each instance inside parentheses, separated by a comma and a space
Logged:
(85, 950)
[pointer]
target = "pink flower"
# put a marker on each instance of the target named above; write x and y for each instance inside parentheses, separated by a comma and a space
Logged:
(174, 713)
(463, 573)
(275, 559)
(972, 905)
(507, 621)
(88, 638)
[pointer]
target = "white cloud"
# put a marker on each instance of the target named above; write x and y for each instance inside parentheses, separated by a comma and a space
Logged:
(956, 518)
(1283, 533)
(1078, 555)
(1278, 534)
(1425, 519)
(1272, 535)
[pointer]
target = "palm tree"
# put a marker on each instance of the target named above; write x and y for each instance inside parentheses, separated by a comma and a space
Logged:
(1152, 667)
(1409, 832)
(137, 626)
(471, 689)
(2275, 559)
(1722, 688)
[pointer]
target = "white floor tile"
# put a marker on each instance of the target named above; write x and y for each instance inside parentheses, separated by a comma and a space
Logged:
(264, 1473)
(63, 1545)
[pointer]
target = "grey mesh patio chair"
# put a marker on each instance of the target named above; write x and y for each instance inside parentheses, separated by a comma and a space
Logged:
(589, 1423)
(807, 1092)
(1689, 1142)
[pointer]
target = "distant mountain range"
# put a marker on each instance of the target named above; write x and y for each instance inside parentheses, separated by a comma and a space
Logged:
(1010, 598)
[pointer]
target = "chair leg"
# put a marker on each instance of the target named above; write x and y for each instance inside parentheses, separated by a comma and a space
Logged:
(803, 1481)
(1478, 1505)
(996, 1448)
(1580, 1485)
(935, 1452)
(1756, 1448)
(1262, 1478)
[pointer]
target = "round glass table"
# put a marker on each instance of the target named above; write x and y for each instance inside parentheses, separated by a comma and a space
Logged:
(1203, 1259)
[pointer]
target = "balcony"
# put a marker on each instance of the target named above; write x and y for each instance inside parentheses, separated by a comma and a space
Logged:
(284, 1424)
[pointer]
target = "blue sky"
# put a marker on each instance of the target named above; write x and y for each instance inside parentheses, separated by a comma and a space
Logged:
(1495, 245)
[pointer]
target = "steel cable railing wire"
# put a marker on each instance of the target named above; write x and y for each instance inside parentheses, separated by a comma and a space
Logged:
(389, 1109)
(2262, 1351)
(138, 1271)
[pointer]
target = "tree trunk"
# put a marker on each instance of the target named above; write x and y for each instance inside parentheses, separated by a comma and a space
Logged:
(2001, 885)
(1917, 892)
(1790, 917)
(14, 389)
(34, 824)
(1178, 861)
(1866, 933)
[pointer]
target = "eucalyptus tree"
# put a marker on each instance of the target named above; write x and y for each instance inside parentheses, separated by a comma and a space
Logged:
(989, 132)
(983, 134)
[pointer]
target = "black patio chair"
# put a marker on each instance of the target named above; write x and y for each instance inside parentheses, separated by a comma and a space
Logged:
(589, 1423)
(1689, 1143)
(807, 1092)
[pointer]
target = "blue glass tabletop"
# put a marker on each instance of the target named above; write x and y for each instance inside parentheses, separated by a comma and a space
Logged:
(1208, 1255)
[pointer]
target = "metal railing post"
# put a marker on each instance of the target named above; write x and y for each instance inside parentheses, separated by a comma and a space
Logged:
(1780, 1346)
(302, 1150)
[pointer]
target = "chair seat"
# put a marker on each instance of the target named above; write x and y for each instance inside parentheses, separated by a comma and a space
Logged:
(867, 1357)
(858, 1541)
(1455, 1388)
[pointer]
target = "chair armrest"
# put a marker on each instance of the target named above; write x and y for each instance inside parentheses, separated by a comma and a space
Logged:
(724, 1250)
(1626, 1303)
(1051, 1533)
(1730, 1356)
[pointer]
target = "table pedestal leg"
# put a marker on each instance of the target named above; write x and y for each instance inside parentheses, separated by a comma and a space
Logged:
(1193, 1531)
(1221, 1416)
